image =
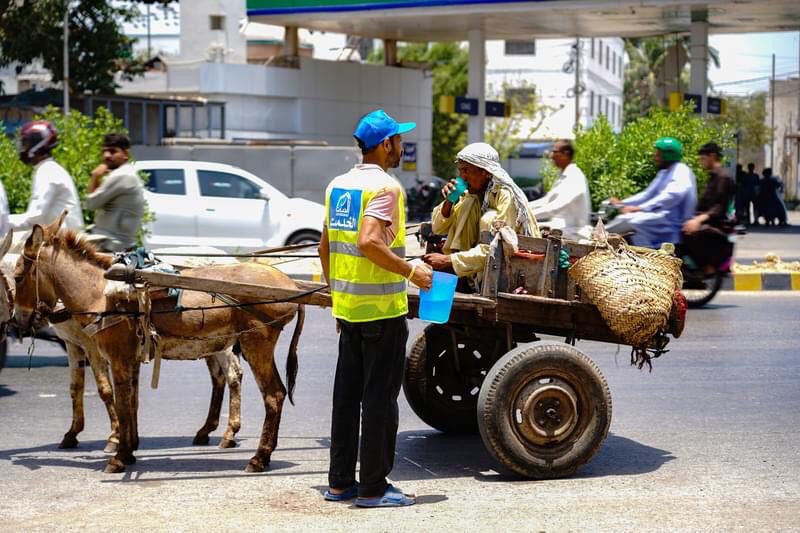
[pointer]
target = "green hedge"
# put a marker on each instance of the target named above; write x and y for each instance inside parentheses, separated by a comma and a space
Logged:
(622, 164)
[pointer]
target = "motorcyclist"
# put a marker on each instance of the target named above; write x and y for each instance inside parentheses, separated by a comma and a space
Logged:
(705, 242)
(52, 188)
(116, 194)
(657, 214)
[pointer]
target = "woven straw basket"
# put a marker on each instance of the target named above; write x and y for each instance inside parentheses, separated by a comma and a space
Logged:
(632, 289)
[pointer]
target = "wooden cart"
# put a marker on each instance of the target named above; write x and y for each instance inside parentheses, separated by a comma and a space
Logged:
(543, 408)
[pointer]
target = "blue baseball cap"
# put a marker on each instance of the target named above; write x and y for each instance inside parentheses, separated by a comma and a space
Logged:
(374, 127)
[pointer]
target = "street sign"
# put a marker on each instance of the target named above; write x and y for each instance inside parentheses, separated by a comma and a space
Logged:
(409, 156)
(466, 106)
(495, 109)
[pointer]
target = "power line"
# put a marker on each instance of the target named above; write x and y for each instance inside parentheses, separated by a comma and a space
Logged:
(752, 80)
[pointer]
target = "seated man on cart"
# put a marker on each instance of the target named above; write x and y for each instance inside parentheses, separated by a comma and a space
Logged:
(490, 195)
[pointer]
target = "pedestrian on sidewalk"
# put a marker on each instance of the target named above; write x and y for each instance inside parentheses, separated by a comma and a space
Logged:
(362, 251)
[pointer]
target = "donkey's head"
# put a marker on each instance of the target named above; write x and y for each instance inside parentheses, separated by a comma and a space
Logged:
(35, 293)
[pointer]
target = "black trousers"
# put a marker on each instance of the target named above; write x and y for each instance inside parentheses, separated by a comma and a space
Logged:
(369, 374)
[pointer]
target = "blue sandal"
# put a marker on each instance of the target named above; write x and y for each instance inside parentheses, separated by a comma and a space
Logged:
(349, 494)
(392, 497)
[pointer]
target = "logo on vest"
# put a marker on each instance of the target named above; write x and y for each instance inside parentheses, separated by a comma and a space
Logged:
(345, 209)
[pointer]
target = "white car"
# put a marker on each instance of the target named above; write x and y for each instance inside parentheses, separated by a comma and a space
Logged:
(196, 203)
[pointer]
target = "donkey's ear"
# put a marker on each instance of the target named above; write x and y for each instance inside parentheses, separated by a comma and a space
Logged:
(53, 228)
(35, 241)
(6, 243)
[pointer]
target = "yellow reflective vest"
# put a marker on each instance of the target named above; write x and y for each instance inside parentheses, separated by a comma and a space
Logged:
(361, 290)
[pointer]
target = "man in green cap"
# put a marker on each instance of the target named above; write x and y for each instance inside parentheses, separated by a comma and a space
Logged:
(657, 214)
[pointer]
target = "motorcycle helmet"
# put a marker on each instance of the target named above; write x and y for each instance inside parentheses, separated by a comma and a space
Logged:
(36, 138)
(671, 148)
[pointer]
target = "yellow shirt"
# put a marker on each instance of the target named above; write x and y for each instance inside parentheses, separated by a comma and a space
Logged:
(465, 223)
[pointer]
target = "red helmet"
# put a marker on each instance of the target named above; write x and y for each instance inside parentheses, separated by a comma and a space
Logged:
(36, 138)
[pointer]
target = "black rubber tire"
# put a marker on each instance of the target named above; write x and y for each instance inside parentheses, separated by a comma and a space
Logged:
(713, 285)
(438, 395)
(527, 376)
(303, 237)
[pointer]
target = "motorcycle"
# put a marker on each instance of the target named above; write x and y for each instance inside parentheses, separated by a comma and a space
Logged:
(423, 197)
(702, 277)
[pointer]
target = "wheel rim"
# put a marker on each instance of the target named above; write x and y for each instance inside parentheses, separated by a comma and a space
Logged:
(697, 288)
(549, 411)
(454, 387)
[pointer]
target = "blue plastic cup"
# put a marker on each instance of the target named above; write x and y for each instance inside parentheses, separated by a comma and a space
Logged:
(455, 194)
(435, 303)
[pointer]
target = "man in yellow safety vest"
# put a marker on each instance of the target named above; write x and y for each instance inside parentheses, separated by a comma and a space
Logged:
(363, 258)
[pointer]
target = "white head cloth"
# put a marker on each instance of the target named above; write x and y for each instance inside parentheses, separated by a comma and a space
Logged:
(483, 156)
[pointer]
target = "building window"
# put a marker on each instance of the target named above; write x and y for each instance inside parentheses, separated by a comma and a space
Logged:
(521, 48)
(613, 114)
(600, 52)
(591, 103)
(620, 66)
(216, 22)
(599, 105)
(608, 56)
(607, 106)
(613, 62)
(592, 49)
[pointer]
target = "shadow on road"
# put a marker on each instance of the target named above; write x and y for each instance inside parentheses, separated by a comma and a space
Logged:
(430, 454)
(5, 391)
(37, 361)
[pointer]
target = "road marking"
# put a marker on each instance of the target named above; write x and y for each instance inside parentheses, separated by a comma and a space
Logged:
(47, 396)
(420, 466)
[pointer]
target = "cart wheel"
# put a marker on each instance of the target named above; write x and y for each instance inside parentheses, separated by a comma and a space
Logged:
(544, 410)
(438, 393)
(700, 289)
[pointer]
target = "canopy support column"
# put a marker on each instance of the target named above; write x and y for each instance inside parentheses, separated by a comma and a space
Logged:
(477, 84)
(698, 51)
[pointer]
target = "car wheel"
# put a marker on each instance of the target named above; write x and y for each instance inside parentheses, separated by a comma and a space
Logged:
(304, 237)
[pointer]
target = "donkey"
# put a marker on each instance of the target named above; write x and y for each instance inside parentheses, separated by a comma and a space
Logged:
(224, 367)
(60, 265)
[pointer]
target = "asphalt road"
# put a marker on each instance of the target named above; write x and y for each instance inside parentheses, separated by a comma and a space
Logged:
(706, 442)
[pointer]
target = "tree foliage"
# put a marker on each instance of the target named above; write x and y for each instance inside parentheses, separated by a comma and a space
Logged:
(645, 58)
(99, 50)
(622, 164)
(79, 151)
(747, 116)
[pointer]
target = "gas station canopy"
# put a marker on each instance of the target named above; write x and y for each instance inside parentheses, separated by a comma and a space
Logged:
(450, 20)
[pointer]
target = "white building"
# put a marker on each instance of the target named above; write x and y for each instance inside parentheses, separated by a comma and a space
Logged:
(783, 152)
(309, 99)
(548, 67)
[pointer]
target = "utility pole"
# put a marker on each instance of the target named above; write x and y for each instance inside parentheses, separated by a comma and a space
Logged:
(577, 83)
(66, 57)
(772, 116)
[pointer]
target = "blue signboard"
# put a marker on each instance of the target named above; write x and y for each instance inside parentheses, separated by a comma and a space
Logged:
(714, 105)
(466, 106)
(345, 209)
(495, 109)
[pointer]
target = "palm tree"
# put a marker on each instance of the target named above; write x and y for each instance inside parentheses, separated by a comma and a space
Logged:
(645, 57)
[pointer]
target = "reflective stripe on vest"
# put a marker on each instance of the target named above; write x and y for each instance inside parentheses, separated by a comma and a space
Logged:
(352, 249)
(361, 290)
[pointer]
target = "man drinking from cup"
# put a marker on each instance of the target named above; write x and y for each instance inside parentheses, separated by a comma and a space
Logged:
(490, 195)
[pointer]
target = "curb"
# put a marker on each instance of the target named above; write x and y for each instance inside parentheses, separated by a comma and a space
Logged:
(762, 281)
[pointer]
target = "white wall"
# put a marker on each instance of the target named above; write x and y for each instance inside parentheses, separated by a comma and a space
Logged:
(197, 39)
(322, 100)
(544, 71)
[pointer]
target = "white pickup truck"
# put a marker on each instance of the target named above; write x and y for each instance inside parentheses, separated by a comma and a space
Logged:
(197, 203)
